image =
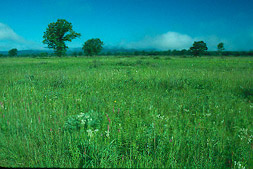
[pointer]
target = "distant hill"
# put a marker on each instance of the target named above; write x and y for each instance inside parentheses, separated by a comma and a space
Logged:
(71, 50)
(28, 52)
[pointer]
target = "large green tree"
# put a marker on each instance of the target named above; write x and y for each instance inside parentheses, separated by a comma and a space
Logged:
(56, 35)
(13, 52)
(92, 46)
(198, 48)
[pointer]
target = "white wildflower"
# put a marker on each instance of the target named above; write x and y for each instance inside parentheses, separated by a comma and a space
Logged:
(160, 117)
(80, 115)
(239, 165)
(249, 139)
(107, 133)
(207, 141)
(90, 133)
(79, 100)
(150, 107)
(82, 122)
(243, 134)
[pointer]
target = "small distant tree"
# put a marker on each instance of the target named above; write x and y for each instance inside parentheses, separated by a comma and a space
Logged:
(74, 54)
(56, 35)
(92, 46)
(80, 53)
(108, 53)
(13, 52)
(198, 48)
(169, 52)
(183, 52)
(220, 47)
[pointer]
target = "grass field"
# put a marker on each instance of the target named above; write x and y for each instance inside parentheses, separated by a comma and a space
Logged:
(126, 112)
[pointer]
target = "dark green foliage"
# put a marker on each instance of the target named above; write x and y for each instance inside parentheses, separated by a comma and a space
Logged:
(59, 82)
(43, 54)
(13, 52)
(92, 47)
(245, 92)
(56, 35)
(220, 47)
(198, 48)
(74, 54)
(80, 53)
(177, 53)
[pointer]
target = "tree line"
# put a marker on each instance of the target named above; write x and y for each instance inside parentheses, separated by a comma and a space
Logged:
(181, 53)
(131, 53)
(59, 32)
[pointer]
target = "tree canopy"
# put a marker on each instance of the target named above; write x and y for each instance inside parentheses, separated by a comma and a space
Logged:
(57, 33)
(92, 46)
(13, 52)
(198, 48)
(220, 47)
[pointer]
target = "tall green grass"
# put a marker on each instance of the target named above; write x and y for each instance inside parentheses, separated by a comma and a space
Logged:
(126, 112)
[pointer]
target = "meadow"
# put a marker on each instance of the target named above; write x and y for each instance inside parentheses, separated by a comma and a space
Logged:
(131, 112)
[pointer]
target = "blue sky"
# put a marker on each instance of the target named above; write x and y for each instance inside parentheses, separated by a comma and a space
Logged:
(139, 24)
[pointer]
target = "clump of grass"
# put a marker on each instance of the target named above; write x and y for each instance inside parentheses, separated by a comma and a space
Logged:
(85, 121)
(96, 64)
(156, 57)
(246, 93)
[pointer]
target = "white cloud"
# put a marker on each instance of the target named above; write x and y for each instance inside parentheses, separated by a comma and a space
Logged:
(6, 33)
(175, 40)
(9, 39)
(169, 40)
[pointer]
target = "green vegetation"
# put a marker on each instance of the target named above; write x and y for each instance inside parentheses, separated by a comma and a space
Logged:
(56, 35)
(198, 48)
(92, 47)
(138, 112)
(220, 48)
(13, 52)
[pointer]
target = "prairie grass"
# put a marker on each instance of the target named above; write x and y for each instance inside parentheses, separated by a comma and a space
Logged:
(138, 112)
